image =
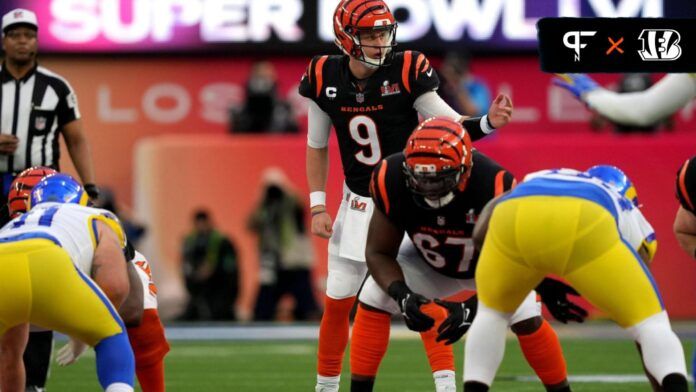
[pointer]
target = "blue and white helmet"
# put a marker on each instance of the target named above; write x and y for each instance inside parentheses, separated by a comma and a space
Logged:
(59, 188)
(615, 177)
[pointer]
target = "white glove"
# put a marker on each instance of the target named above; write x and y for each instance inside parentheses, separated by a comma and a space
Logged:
(68, 354)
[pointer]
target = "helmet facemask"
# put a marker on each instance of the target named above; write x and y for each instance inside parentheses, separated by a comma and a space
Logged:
(386, 50)
(432, 188)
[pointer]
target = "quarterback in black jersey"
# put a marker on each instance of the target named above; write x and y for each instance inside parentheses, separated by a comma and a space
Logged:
(434, 192)
(372, 96)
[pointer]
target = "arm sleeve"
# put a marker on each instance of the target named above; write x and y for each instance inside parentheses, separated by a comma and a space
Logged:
(659, 101)
(319, 126)
(430, 104)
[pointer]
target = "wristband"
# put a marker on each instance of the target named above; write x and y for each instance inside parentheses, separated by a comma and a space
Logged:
(486, 125)
(317, 198)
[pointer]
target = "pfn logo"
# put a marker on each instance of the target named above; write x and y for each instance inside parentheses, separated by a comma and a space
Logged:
(660, 45)
(572, 40)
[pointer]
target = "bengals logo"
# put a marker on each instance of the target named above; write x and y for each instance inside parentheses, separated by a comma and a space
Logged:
(660, 45)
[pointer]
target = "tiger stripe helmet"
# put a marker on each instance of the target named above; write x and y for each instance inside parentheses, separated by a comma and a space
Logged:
(21, 187)
(353, 17)
(438, 158)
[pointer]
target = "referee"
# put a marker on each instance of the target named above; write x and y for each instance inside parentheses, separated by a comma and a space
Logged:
(36, 106)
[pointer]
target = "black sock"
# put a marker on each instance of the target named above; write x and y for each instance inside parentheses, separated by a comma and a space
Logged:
(675, 382)
(362, 385)
(473, 386)
(37, 357)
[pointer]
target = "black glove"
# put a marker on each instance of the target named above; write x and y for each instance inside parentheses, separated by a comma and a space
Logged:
(461, 315)
(410, 303)
(554, 294)
(92, 191)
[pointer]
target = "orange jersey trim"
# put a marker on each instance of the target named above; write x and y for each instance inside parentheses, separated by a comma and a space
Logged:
(499, 182)
(318, 68)
(404, 70)
(682, 186)
(419, 62)
(382, 186)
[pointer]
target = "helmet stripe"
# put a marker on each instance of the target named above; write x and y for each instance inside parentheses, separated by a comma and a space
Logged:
(368, 10)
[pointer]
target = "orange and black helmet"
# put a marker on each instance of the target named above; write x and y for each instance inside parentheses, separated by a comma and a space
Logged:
(355, 17)
(21, 187)
(438, 158)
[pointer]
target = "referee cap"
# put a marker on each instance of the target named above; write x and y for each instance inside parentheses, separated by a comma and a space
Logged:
(19, 16)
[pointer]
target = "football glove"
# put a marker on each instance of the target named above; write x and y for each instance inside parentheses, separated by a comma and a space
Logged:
(461, 315)
(577, 84)
(69, 353)
(410, 303)
(92, 191)
(554, 294)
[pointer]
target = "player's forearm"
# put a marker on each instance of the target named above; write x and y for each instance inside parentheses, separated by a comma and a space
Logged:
(645, 107)
(687, 242)
(384, 269)
(317, 168)
(131, 311)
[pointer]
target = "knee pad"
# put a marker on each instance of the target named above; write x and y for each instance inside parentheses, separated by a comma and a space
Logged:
(373, 295)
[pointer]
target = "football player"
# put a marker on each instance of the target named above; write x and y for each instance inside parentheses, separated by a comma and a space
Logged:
(685, 221)
(587, 228)
(145, 330)
(658, 102)
(434, 192)
(64, 269)
(372, 96)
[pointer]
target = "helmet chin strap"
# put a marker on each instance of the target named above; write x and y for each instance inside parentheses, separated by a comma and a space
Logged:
(441, 202)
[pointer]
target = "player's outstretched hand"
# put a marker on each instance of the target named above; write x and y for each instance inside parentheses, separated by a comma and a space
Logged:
(68, 354)
(577, 84)
(554, 294)
(456, 325)
(500, 112)
(322, 224)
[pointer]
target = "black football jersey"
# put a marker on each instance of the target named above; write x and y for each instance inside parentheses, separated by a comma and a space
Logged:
(373, 122)
(686, 185)
(443, 235)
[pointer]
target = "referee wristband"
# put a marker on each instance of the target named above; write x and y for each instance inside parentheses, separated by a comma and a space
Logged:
(317, 198)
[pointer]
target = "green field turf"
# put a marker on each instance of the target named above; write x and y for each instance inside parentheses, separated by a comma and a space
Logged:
(289, 366)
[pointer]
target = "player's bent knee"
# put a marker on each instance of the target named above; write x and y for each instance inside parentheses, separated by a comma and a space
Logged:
(528, 326)
(654, 324)
(344, 282)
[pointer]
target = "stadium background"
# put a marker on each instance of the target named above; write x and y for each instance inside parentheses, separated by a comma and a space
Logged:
(155, 85)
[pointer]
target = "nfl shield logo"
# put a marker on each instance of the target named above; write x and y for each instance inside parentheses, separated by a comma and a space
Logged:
(40, 123)
(360, 97)
(441, 220)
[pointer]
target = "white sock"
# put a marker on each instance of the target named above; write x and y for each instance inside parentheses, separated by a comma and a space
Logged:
(663, 353)
(119, 387)
(445, 381)
(485, 345)
(328, 379)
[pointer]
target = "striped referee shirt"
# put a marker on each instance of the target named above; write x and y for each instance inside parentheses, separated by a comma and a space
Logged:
(35, 109)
